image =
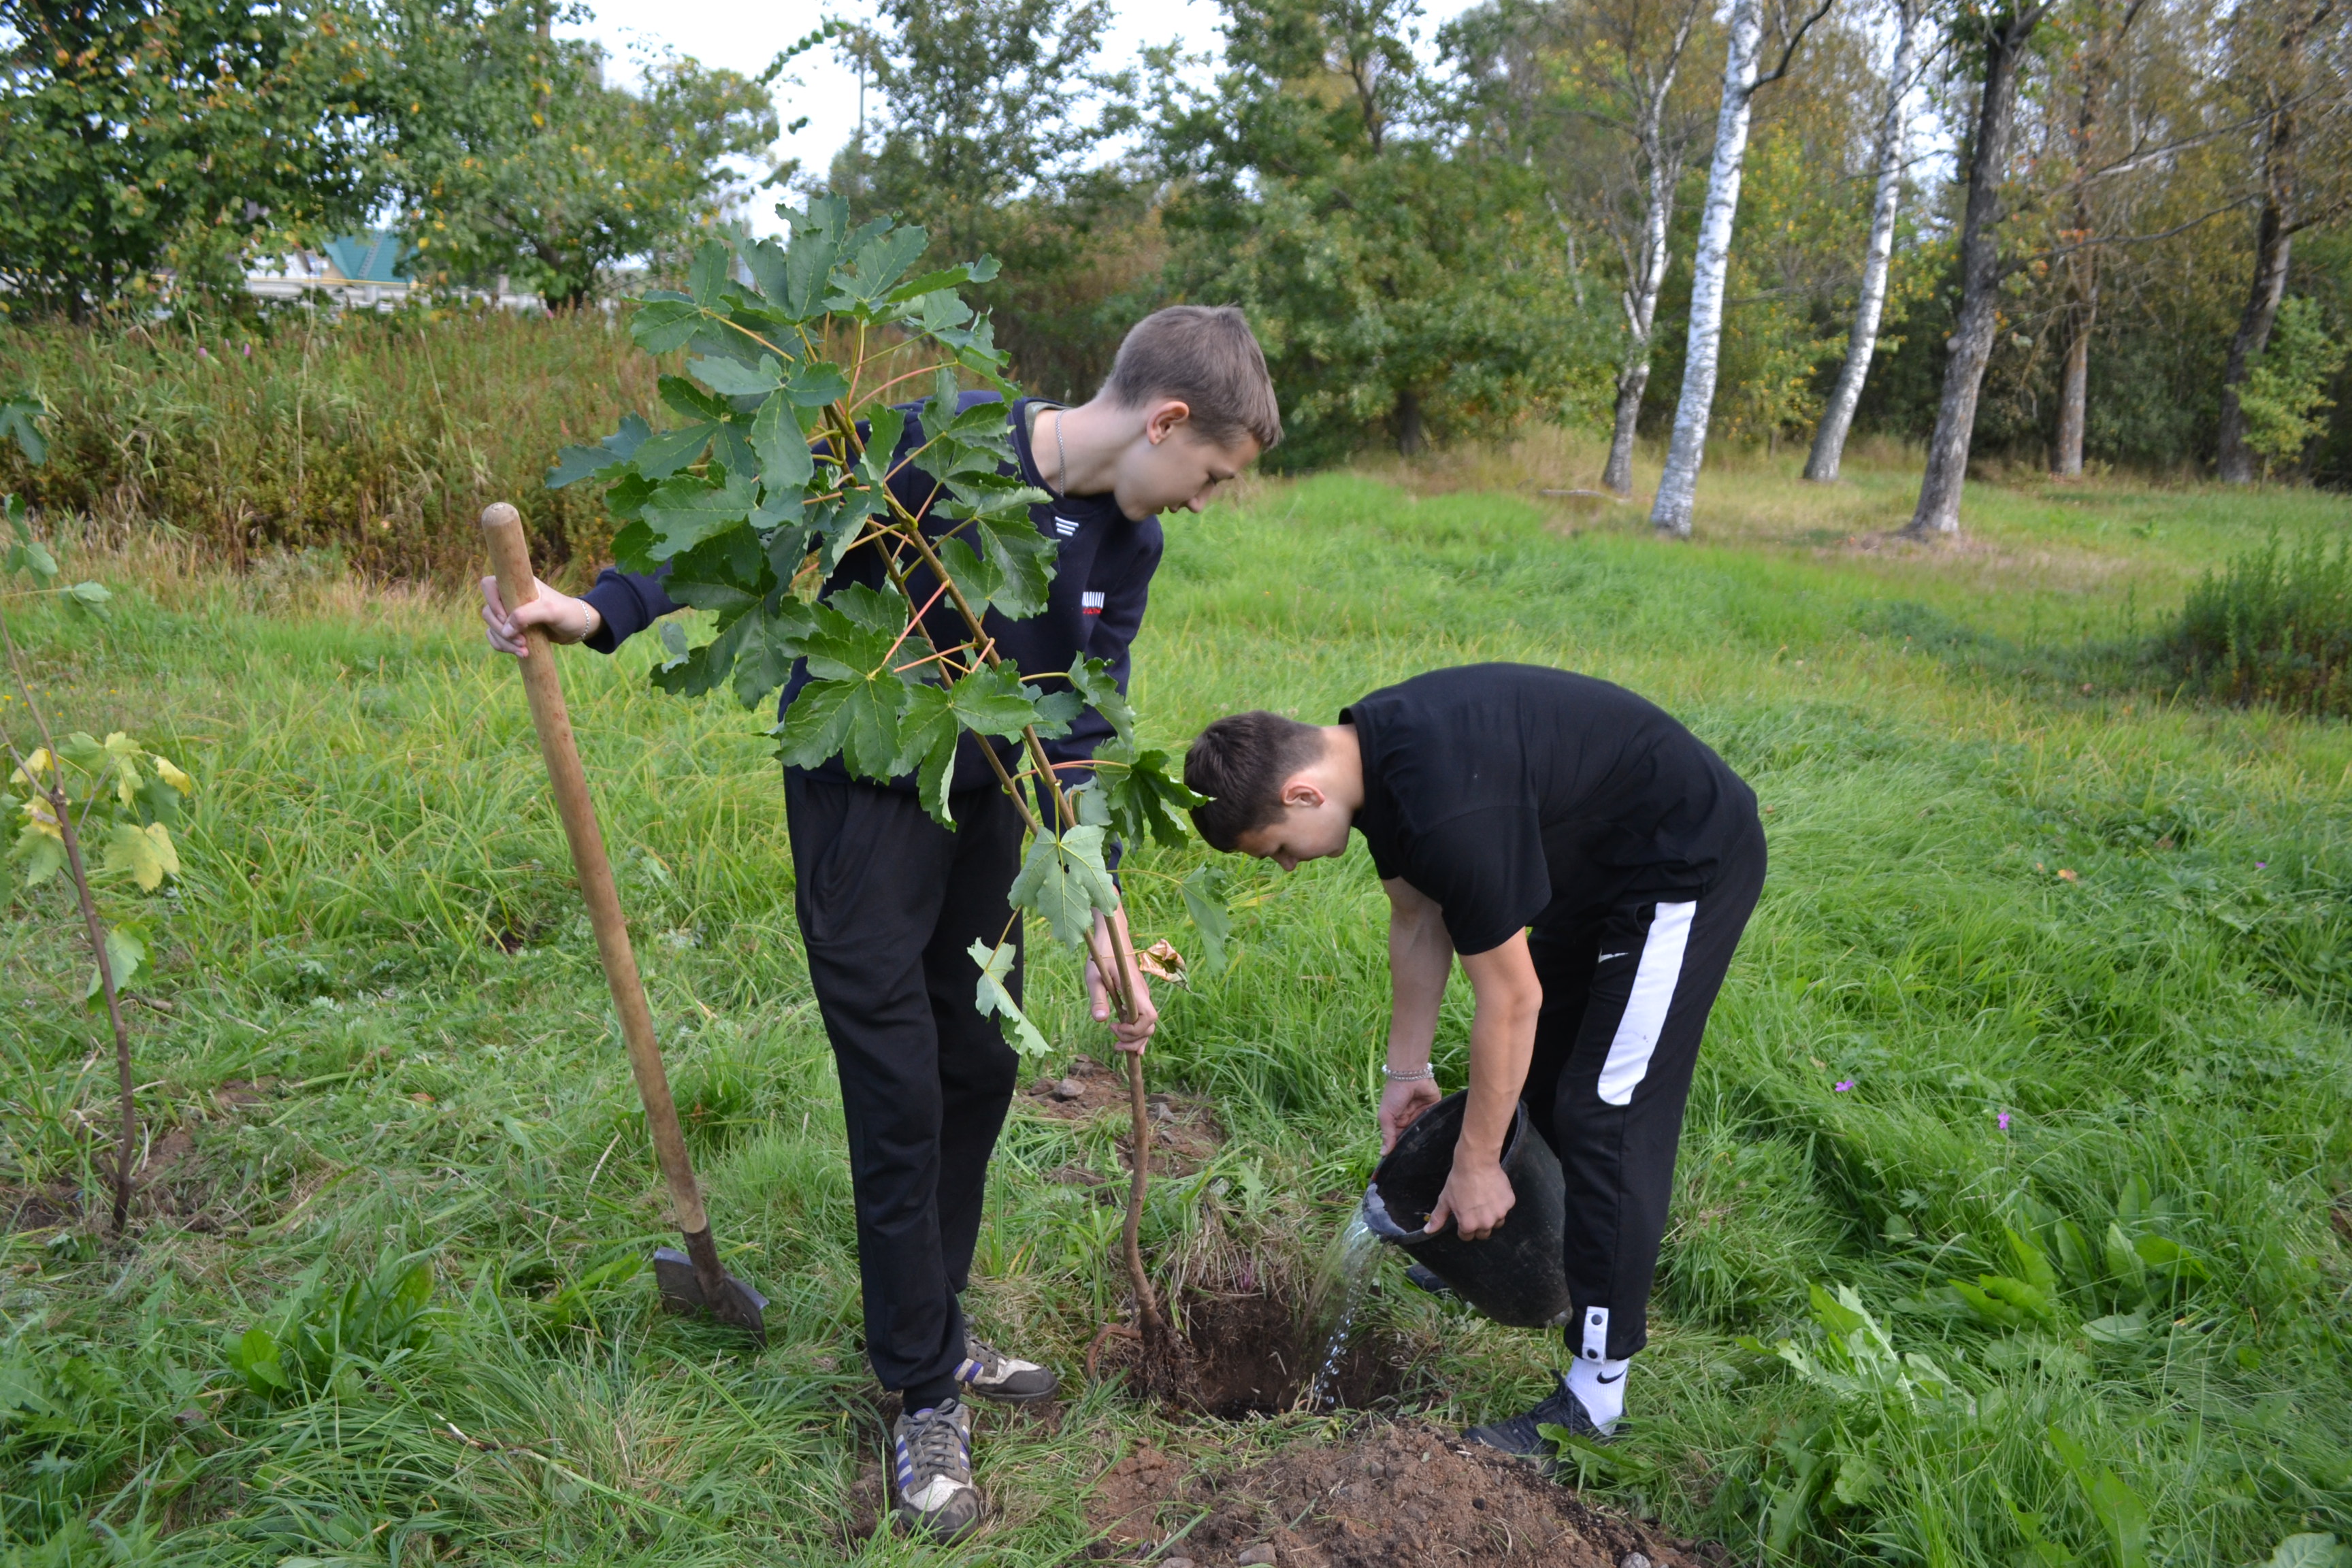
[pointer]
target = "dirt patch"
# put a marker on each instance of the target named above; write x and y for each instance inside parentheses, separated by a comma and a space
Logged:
(1253, 1355)
(55, 1208)
(1184, 1132)
(1394, 1496)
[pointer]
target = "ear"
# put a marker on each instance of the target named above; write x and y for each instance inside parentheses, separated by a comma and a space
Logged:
(1164, 417)
(1302, 791)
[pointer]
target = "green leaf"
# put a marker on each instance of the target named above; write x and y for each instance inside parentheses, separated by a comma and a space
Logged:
(124, 953)
(995, 998)
(20, 419)
(2005, 1302)
(2311, 1551)
(816, 383)
(41, 855)
(705, 275)
(1064, 881)
(1205, 902)
(786, 465)
(89, 596)
(1145, 794)
(686, 510)
(2122, 1516)
(812, 727)
(576, 463)
(145, 852)
(2032, 1263)
(2123, 1262)
(1092, 679)
(1023, 559)
(770, 639)
(887, 425)
(2116, 1328)
(979, 580)
(949, 278)
(879, 264)
(665, 452)
(732, 378)
(665, 321)
(255, 1357)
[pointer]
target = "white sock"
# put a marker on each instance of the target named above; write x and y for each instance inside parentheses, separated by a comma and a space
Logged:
(1600, 1387)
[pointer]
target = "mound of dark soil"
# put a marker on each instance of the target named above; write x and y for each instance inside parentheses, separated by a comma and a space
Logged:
(1395, 1496)
(1184, 1133)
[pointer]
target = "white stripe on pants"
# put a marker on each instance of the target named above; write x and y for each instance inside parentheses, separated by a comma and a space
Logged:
(1645, 1009)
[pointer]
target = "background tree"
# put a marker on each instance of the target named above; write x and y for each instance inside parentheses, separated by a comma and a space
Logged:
(1886, 200)
(141, 135)
(1327, 185)
(510, 156)
(2289, 66)
(988, 129)
(1711, 259)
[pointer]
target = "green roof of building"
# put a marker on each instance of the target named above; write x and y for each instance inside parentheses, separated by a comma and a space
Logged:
(376, 256)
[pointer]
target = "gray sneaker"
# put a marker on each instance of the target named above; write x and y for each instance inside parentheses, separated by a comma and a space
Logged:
(1523, 1433)
(933, 1447)
(1007, 1380)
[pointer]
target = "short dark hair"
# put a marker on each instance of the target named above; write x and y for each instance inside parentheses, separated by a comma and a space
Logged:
(1240, 762)
(1206, 355)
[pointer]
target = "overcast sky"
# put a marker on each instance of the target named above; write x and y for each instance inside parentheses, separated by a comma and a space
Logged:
(745, 36)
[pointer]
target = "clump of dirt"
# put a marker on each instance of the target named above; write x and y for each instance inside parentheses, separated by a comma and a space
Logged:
(1252, 1355)
(1184, 1132)
(1394, 1496)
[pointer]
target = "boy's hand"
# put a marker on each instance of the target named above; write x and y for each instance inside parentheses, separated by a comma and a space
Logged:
(1129, 1036)
(1477, 1196)
(565, 618)
(1401, 1104)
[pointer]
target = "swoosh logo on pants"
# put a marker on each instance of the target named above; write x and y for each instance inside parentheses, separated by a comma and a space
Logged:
(1608, 1379)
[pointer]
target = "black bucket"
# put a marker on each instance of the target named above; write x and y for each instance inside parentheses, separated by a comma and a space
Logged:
(1516, 1275)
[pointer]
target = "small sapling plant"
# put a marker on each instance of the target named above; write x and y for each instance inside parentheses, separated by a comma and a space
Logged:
(66, 795)
(792, 421)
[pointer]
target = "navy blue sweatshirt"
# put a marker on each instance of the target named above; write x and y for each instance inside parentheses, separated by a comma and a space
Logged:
(1102, 577)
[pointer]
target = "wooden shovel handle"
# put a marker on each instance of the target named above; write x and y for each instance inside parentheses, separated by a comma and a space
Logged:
(511, 559)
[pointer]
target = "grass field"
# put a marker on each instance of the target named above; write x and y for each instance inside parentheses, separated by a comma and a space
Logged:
(2082, 957)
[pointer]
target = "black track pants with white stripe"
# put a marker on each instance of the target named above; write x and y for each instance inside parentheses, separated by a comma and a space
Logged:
(1626, 999)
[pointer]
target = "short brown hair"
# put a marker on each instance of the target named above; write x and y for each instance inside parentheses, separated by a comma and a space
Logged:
(1240, 763)
(1207, 356)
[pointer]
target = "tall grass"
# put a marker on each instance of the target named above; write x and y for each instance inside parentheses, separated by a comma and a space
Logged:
(377, 439)
(2084, 961)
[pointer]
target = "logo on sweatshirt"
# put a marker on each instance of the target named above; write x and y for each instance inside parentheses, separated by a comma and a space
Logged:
(1065, 526)
(1091, 603)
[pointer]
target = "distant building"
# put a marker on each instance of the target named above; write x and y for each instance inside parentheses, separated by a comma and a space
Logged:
(366, 271)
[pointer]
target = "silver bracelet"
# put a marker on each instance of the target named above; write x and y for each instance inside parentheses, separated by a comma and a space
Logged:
(1424, 1070)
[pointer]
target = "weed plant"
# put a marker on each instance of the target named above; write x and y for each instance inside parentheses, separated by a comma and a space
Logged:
(2274, 626)
(2009, 1223)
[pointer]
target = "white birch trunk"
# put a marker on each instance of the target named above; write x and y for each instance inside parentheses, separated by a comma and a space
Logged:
(1641, 308)
(1837, 418)
(1711, 264)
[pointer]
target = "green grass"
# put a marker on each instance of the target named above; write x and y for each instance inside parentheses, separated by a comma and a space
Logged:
(2165, 1031)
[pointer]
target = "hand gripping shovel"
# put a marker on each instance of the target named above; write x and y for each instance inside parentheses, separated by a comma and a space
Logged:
(691, 1282)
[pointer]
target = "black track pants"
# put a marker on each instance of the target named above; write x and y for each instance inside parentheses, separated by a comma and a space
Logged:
(1626, 999)
(889, 902)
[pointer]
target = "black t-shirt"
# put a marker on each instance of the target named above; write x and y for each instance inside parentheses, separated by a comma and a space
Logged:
(1518, 796)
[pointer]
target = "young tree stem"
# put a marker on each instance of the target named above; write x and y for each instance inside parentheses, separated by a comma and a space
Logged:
(91, 925)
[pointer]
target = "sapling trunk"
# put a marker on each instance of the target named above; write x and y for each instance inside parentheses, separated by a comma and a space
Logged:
(95, 928)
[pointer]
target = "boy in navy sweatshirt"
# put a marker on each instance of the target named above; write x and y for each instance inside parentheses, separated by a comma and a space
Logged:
(888, 900)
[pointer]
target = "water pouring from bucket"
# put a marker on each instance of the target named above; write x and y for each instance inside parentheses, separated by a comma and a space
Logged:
(1516, 1275)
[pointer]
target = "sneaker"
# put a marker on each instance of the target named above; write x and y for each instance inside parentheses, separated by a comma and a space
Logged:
(1523, 1435)
(1007, 1380)
(936, 1497)
(1421, 1277)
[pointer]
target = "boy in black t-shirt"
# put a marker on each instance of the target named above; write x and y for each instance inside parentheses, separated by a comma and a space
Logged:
(889, 902)
(1593, 865)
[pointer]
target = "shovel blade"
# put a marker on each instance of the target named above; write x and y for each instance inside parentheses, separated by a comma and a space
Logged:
(681, 1291)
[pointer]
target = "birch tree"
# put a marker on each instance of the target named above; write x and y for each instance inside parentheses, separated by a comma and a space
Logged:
(1636, 55)
(1669, 514)
(1886, 201)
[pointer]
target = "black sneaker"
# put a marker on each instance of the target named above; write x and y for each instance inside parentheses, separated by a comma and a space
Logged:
(933, 1448)
(1008, 1380)
(1421, 1277)
(1523, 1435)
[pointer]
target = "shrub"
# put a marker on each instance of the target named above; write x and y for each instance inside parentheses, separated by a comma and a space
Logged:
(2275, 626)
